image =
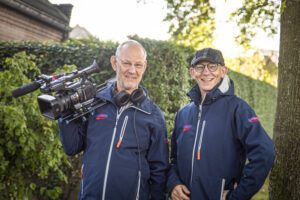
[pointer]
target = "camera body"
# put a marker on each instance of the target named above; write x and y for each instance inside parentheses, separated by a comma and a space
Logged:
(77, 96)
(73, 99)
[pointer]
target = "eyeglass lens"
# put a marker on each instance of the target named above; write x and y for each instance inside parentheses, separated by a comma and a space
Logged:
(210, 67)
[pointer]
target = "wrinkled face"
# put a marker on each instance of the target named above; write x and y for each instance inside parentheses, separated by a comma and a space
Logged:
(130, 66)
(207, 79)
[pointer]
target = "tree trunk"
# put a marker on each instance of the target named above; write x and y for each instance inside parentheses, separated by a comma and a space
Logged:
(285, 175)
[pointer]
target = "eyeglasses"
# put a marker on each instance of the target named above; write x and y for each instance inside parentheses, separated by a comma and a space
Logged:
(127, 64)
(211, 67)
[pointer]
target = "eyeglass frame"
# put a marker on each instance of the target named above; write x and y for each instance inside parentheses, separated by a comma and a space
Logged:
(128, 64)
(205, 66)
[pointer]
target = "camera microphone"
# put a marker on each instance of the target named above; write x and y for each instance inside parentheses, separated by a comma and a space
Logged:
(30, 87)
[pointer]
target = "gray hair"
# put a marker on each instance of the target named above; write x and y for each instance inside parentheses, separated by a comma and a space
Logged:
(130, 42)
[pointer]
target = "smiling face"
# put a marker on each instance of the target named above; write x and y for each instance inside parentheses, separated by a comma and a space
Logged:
(206, 79)
(130, 65)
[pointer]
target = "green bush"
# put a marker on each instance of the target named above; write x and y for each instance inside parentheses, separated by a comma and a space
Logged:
(30, 147)
(53, 55)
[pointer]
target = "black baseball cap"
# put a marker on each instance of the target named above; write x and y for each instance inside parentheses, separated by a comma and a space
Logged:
(208, 54)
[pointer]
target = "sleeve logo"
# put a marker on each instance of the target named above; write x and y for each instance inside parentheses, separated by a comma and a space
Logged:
(253, 119)
(186, 127)
(101, 116)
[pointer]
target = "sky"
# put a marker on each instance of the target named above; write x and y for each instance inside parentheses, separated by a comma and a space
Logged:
(116, 19)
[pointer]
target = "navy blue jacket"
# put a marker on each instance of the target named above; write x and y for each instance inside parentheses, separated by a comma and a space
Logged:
(110, 162)
(211, 141)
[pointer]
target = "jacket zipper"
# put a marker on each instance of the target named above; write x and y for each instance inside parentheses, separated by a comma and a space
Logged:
(194, 147)
(138, 187)
(110, 151)
(222, 188)
(122, 131)
(111, 147)
(200, 140)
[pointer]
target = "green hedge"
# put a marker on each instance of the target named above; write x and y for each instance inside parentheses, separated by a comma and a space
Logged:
(27, 168)
(30, 150)
(52, 55)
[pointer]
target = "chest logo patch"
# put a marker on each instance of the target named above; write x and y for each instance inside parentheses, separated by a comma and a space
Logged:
(186, 127)
(253, 119)
(101, 116)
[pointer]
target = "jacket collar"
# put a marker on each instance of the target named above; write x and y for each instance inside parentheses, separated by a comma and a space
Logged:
(145, 106)
(225, 87)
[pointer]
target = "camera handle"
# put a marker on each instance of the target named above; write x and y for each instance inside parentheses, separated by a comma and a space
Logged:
(90, 107)
(85, 110)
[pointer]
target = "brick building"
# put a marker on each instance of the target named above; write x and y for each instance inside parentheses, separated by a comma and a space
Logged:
(34, 20)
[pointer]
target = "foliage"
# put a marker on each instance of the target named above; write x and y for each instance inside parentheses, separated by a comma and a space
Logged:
(256, 66)
(52, 55)
(192, 22)
(256, 15)
(166, 78)
(30, 148)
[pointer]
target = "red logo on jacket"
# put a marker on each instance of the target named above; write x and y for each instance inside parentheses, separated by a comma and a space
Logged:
(101, 116)
(187, 127)
(253, 119)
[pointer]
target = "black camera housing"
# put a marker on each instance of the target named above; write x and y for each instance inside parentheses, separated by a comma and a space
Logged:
(72, 99)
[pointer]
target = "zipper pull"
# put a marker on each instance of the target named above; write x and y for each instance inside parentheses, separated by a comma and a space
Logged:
(200, 140)
(122, 131)
(119, 143)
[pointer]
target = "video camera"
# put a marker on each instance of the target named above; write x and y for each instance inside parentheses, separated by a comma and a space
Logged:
(76, 99)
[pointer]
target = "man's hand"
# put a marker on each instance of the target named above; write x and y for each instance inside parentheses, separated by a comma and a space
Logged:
(225, 192)
(180, 192)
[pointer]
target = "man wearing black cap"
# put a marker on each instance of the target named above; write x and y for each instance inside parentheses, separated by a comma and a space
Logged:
(213, 137)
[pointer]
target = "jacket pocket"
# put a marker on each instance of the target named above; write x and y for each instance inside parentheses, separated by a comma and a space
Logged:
(123, 182)
(208, 188)
(184, 142)
(91, 182)
(144, 183)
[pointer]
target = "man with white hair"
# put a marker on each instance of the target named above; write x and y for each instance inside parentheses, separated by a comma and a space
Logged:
(125, 142)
